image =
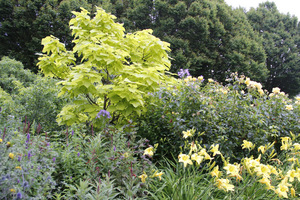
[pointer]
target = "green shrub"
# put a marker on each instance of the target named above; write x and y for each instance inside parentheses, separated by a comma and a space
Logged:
(12, 70)
(24, 94)
(229, 114)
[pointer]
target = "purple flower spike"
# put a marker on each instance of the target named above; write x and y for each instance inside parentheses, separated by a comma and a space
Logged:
(29, 154)
(54, 159)
(103, 113)
(114, 148)
(19, 158)
(28, 137)
(72, 133)
(78, 154)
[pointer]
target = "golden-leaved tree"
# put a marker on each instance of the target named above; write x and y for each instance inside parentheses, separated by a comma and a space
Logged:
(107, 72)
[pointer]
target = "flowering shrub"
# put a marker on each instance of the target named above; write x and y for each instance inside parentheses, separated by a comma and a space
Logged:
(227, 115)
(26, 165)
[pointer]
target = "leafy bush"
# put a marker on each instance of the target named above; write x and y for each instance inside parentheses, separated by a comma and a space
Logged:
(27, 165)
(24, 94)
(12, 70)
(229, 114)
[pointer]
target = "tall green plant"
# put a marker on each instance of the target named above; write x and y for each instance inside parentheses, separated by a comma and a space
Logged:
(108, 72)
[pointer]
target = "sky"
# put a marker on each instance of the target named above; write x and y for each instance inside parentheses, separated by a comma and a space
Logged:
(284, 6)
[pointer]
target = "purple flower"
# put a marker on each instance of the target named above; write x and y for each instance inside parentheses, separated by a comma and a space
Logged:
(25, 184)
(19, 195)
(72, 133)
(19, 158)
(183, 72)
(103, 113)
(78, 154)
(54, 159)
(114, 148)
(28, 137)
(29, 154)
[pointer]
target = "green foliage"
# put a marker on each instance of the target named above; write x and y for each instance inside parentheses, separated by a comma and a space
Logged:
(100, 163)
(281, 38)
(114, 71)
(12, 70)
(225, 115)
(24, 94)
(206, 36)
(24, 23)
(26, 163)
(179, 183)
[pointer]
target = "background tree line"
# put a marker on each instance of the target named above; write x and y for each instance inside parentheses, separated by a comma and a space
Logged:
(206, 36)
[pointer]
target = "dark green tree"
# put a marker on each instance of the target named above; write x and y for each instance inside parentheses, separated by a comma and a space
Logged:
(206, 36)
(25, 22)
(281, 39)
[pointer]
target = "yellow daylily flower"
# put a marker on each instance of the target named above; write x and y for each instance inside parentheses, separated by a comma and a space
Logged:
(210, 80)
(263, 170)
(215, 149)
(200, 78)
(197, 158)
(232, 169)
(188, 133)
(267, 182)
(143, 177)
(276, 90)
(247, 81)
(282, 191)
(223, 184)
(260, 91)
(296, 146)
(205, 154)
(261, 149)
(149, 151)
(286, 143)
(289, 107)
(293, 192)
(215, 172)
(247, 144)
(291, 174)
(158, 175)
(185, 159)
